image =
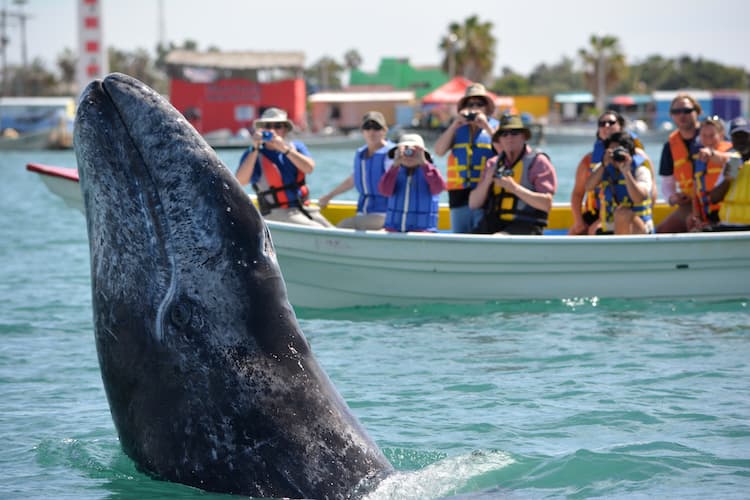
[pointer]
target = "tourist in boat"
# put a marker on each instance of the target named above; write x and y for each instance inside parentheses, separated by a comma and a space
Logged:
(413, 185)
(708, 164)
(517, 186)
(370, 163)
(625, 186)
(676, 166)
(585, 205)
(277, 167)
(469, 140)
(733, 186)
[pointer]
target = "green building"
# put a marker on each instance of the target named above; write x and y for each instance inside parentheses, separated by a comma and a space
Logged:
(401, 75)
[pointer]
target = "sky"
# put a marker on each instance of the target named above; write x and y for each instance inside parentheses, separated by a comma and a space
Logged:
(529, 32)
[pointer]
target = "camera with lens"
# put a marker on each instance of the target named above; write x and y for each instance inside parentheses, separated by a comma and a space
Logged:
(470, 117)
(267, 135)
(619, 154)
(409, 152)
(504, 172)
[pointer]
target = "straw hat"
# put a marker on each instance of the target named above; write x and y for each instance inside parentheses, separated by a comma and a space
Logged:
(477, 90)
(273, 115)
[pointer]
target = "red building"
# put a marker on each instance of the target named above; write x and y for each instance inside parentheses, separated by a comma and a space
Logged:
(228, 90)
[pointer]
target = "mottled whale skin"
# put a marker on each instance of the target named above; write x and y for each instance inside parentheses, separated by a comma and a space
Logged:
(210, 381)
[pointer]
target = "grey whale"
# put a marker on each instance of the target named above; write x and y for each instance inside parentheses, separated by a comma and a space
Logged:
(209, 379)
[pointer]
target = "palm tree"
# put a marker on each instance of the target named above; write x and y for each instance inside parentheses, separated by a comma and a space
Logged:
(603, 66)
(469, 49)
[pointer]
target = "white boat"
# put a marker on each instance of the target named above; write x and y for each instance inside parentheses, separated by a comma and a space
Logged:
(333, 268)
(28, 123)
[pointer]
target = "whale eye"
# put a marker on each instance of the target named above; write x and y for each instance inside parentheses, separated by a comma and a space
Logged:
(180, 315)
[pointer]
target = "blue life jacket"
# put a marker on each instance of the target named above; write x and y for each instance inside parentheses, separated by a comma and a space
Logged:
(367, 174)
(412, 207)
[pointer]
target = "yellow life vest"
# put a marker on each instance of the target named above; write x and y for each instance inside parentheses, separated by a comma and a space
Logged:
(735, 208)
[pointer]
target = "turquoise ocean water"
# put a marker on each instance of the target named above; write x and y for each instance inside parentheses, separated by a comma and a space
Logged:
(579, 398)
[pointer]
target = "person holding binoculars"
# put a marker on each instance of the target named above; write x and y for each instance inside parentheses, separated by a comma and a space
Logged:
(625, 185)
(517, 186)
(413, 186)
(277, 167)
(469, 140)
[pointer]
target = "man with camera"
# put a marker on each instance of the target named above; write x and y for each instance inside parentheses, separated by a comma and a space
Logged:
(277, 169)
(733, 186)
(517, 186)
(625, 185)
(468, 139)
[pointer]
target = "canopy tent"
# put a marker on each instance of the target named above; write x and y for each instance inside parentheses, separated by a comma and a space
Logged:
(453, 90)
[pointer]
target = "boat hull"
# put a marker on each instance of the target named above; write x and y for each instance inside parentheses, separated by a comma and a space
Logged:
(334, 268)
(326, 268)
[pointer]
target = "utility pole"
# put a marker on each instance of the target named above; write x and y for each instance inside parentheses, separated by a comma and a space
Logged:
(21, 17)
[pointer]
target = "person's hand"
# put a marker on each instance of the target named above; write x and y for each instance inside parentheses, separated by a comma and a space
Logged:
(705, 154)
(679, 198)
(324, 200)
(506, 182)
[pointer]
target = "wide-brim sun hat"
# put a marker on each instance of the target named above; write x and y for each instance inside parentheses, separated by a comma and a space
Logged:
(477, 90)
(511, 122)
(411, 141)
(273, 115)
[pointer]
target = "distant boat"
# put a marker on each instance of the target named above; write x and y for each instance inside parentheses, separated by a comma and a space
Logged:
(28, 123)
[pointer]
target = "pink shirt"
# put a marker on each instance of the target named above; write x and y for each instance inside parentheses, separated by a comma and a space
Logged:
(432, 175)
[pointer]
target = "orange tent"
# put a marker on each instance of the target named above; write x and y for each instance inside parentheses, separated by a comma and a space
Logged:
(453, 90)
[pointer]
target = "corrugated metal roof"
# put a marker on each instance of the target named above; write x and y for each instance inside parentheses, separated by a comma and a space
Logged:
(405, 95)
(237, 60)
(575, 97)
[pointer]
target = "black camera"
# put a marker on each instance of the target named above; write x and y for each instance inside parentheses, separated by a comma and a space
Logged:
(470, 116)
(619, 154)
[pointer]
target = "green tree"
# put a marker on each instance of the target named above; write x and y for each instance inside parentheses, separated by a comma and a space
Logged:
(604, 66)
(325, 73)
(560, 77)
(66, 63)
(352, 59)
(469, 49)
(511, 83)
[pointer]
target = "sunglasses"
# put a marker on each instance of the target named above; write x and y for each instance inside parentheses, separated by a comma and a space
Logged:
(475, 104)
(607, 123)
(513, 132)
(275, 126)
(371, 126)
(681, 111)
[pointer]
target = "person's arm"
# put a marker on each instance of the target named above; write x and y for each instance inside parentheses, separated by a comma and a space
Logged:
(595, 178)
(542, 176)
(720, 190)
(434, 178)
(387, 184)
(577, 194)
(648, 164)
(445, 142)
(345, 186)
(478, 195)
(638, 186)
(247, 166)
(300, 158)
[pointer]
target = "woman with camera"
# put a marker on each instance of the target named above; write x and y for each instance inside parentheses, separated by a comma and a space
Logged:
(277, 167)
(625, 185)
(517, 186)
(585, 205)
(469, 140)
(413, 186)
